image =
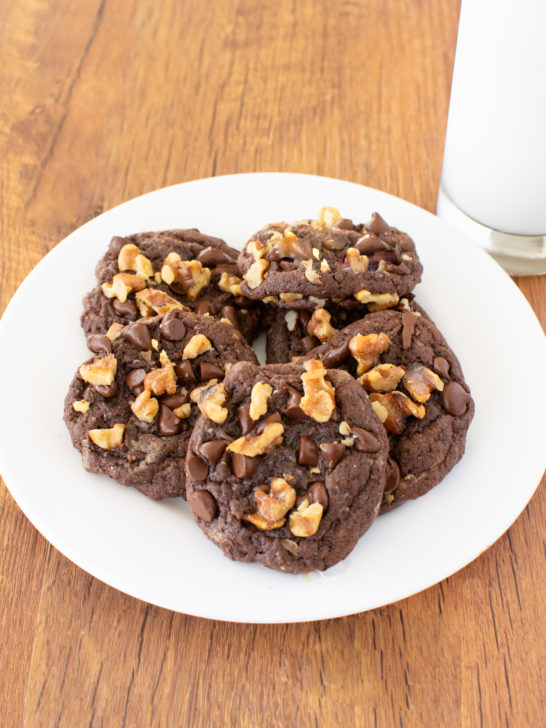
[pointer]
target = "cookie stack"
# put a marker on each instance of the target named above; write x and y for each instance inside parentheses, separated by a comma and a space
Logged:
(360, 407)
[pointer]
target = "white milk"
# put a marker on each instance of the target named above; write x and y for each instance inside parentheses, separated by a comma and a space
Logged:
(495, 153)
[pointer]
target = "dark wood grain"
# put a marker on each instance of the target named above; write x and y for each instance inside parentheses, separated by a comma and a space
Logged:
(102, 101)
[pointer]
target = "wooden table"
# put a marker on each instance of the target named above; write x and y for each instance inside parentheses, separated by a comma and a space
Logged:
(101, 101)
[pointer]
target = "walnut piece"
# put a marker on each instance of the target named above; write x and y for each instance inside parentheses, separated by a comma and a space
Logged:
(357, 262)
(311, 274)
(290, 297)
(253, 445)
(382, 378)
(145, 407)
(255, 274)
(318, 400)
(114, 331)
(367, 349)
(100, 371)
(196, 393)
(151, 301)
(257, 248)
(230, 284)
(162, 380)
(210, 403)
(419, 381)
(304, 521)
(108, 439)
(291, 319)
(258, 399)
(319, 325)
(183, 412)
(398, 406)
(80, 405)
(272, 507)
(328, 215)
(122, 285)
(130, 258)
(377, 301)
(189, 276)
(197, 345)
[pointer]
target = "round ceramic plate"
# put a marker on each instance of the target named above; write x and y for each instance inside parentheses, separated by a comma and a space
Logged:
(154, 551)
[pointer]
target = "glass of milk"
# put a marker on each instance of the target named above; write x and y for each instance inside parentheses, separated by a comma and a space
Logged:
(493, 184)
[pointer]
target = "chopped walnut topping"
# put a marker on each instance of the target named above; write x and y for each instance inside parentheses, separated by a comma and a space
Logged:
(255, 274)
(398, 406)
(382, 378)
(257, 248)
(304, 522)
(197, 391)
(108, 439)
(324, 267)
(319, 400)
(290, 297)
(319, 325)
(130, 258)
(272, 507)
(344, 428)
(100, 371)
(270, 299)
(210, 403)
(348, 441)
(162, 380)
(80, 405)
(122, 285)
(291, 318)
(377, 301)
(258, 399)
(419, 381)
(380, 411)
(357, 262)
(145, 407)
(152, 300)
(155, 344)
(311, 274)
(230, 284)
(190, 276)
(367, 349)
(114, 331)
(328, 215)
(253, 445)
(197, 345)
(183, 412)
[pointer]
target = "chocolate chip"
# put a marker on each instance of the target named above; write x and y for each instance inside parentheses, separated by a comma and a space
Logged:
(209, 370)
(317, 493)
(204, 307)
(172, 328)
(344, 224)
(274, 255)
(243, 466)
(99, 344)
(213, 450)
(116, 244)
(336, 355)
(369, 244)
(203, 505)
(230, 314)
(376, 224)
(332, 452)
(169, 424)
(212, 256)
(127, 309)
(184, 372)
(197, 468)
(139, 335)
(269, 420)
(174, 401)
(364, 440)
(455, 399)
(441, 367)
(336, 242)
(247, 423)
(308, 452)
(393, 476)
(303, 319)
(135, 380)
(107, 390)
(409, 321)
(287, 265)
(308, 343)
(293, 410)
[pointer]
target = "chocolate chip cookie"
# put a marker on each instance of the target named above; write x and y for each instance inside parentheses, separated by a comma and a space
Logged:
(307, 263)
(416, 386)
(151, 273)
(131, 409)
(287, 465)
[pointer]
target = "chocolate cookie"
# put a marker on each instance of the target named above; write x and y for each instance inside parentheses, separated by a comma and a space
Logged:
(294, 333)
(307, 263)
(287, 465)
(130, 411)
(151, 273)
(417, 389)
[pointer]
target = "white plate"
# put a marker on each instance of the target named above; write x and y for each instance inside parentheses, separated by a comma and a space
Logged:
(154, 551)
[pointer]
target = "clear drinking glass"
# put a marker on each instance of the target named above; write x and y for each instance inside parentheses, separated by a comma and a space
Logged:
(493, 186)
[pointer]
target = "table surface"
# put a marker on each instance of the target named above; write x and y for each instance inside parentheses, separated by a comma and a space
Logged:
(101, 101)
